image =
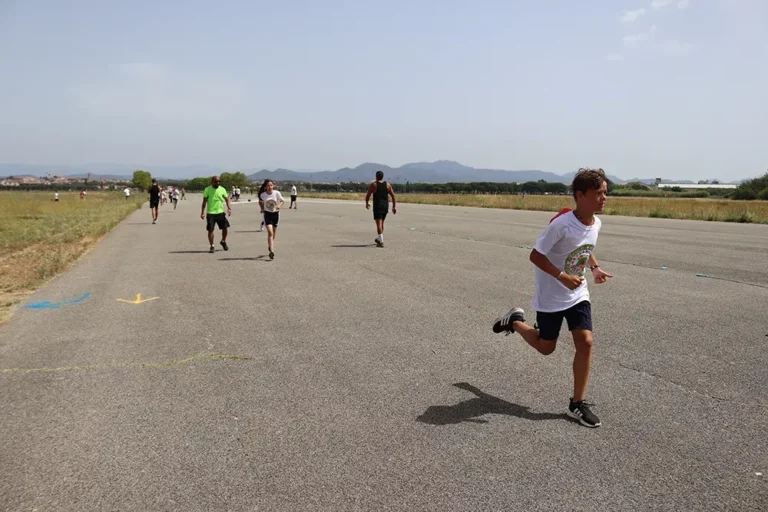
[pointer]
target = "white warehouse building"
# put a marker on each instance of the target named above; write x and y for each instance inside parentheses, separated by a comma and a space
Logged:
(698, 186)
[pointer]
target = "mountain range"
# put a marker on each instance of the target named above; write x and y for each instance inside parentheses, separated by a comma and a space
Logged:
(441, 171)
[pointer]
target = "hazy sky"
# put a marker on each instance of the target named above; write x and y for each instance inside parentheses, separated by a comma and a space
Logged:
(671, 88)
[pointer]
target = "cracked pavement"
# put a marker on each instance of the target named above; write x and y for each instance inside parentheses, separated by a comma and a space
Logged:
(341, 376)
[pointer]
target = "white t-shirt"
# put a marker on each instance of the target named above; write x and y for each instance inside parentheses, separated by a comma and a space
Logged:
(127, 192)
(293, 190)
(175, 194)
(567, 243)
(271, 200)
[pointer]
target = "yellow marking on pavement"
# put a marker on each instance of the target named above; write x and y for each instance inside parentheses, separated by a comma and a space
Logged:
(168, 364)
(138, 299)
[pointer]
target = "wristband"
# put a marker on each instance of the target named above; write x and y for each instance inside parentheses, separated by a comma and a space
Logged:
(561, 274)
(593, 268)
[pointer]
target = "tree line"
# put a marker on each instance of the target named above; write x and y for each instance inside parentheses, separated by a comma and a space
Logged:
(753, 189)
(756, 188)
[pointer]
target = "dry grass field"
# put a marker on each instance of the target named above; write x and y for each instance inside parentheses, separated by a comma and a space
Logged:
(40, 238)
(724, 210)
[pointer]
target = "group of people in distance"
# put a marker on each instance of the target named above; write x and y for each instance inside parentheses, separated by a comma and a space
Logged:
(563, 253)
(159, 196)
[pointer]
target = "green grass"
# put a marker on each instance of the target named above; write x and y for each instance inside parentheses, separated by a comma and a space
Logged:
(40, 238)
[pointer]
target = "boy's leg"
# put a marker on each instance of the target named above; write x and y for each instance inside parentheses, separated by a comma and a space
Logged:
(579, 319)
(544, 340)
(582, 362)
(533, 338)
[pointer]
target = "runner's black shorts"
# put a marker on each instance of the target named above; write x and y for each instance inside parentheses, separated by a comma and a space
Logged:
(154, 203)
(214, 219)
(379, 214)
(293, 199)
(578, 317)
(271, 218)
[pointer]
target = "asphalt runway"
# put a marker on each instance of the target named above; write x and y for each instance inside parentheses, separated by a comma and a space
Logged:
(341, 376)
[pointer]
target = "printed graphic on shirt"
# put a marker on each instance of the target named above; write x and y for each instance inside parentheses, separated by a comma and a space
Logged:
(576, 262)
(270, 205)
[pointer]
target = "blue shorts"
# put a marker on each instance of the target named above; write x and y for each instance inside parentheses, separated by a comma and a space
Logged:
(578, 317)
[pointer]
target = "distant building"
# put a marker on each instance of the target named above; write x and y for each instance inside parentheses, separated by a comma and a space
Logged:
(688, 186)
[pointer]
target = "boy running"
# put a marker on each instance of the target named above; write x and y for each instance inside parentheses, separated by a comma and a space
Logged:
(380, 190)
(563, 252)
(214, 197)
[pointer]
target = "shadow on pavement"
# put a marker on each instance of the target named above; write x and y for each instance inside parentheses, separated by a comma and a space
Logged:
(257, 258)
(354, 245)
(254, 231)
(188, 252)
(483, 403)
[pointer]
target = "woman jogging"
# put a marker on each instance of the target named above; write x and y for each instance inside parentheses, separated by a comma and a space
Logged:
(270, 201)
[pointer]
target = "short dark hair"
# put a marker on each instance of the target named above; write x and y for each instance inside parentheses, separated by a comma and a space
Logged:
(379, 175)
(588, 179)
(154, 180)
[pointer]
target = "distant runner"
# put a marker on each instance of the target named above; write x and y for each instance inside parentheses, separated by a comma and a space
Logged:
(183, 194)
(56, 196)
(127, 193)
(154, 200)
(214, 197)
(294, 204)
(380, 190)
(175, 197)
(270, 202)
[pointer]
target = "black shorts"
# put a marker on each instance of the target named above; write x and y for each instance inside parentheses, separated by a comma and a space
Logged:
(578, 317)
(379, 214)
(154, 203)
(271, 218)
(214, 219)
(293, 199)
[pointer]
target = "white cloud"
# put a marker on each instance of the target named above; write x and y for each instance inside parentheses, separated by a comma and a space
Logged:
(682, 4)
(675, 48)
(146, 91)
(637, 39)
(658, 4)
(631, 16)
(613, 57)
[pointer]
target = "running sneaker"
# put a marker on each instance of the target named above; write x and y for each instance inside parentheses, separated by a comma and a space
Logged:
(224, 245)
(580, 411)
(211, 250)
(154, 222)
(271, 255)
(378, 242)
(505, 323)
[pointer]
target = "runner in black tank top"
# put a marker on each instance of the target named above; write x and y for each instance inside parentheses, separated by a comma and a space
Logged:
(381, 198)
(380, 190)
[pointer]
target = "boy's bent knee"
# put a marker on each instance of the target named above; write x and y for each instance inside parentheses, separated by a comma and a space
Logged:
(547, 347)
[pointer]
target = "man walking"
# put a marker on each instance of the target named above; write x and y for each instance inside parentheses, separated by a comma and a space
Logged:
(214, 197)
(154, 199)
(294, 203)
(380, 190)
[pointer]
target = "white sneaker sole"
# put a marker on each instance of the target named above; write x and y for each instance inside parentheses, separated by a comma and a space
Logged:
(575, 416)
